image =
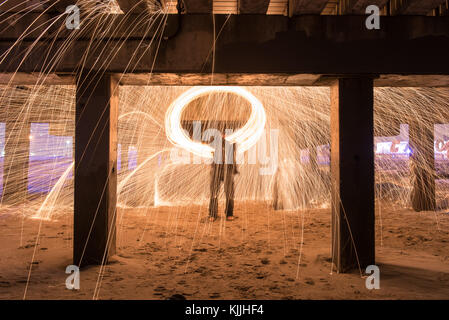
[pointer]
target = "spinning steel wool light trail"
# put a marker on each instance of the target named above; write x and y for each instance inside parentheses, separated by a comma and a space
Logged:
(245, 137)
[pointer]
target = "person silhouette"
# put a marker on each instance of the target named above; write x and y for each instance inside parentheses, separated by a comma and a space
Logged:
(223, 169)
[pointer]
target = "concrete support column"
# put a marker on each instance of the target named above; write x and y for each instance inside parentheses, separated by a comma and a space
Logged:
(352, 173)
(422, 167)
(95, 169)
(16, 161)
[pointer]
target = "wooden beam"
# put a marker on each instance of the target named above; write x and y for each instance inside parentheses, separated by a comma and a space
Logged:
(444, 8)
(95, 168)
(311, 44)
(253, 6)
(198, 6)
(414, 7)
(232, 79)
(298, 7)
(352, 173)
(331, 8)
(359, 6)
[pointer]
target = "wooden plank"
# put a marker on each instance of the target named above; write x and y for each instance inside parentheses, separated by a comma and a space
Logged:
(198, 6)
(359, 6)
(95, 169)
(414, 7)
(253, 6)
(444, 8)
(298, 7)
(352, 173)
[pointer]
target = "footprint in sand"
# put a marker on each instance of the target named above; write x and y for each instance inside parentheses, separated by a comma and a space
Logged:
(159, 289)
(310, 281)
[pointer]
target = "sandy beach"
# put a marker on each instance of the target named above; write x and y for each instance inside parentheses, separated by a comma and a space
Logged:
(263, 254)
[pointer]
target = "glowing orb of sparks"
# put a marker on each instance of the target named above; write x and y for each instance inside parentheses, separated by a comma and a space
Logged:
(245, 137)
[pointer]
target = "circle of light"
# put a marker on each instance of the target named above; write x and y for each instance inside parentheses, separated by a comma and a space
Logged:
(245, 137)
